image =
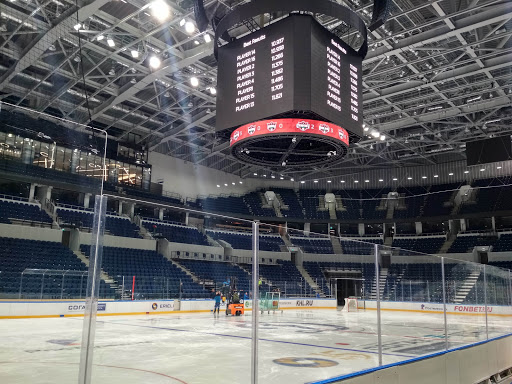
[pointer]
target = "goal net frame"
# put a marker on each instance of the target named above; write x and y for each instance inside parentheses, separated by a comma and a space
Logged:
(351, 304)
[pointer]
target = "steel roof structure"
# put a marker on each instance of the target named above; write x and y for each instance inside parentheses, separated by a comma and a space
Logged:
(439, 73)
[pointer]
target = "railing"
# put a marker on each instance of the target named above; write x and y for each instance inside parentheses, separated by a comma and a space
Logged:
(14, 198)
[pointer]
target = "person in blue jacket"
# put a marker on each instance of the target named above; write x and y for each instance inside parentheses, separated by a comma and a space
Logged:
(217, 299)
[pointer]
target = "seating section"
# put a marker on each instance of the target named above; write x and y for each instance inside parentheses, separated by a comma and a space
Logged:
(155, 276)
(351, 201)
(371, 202)
(313, 245)
(239, 240)
(359, 246)
(290, 199)
(503, 244)
(116, 226)
(254, 202)
(176, 233)
(54, 259)
(19, 210)
(310, 200)
(232, 204)
(438, 201)
(463, 244)
(428, 245)
(284, 276)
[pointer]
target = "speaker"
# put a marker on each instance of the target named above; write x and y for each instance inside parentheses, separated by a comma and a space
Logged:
(489, 150)
(380, 13)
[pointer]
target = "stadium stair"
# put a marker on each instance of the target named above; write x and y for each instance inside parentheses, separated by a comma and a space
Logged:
(383, 275)
(103, 276)
(310, 281)
(448, 243)
(194, 278)
(466, 287)
(391, 211)
(332, 212)
(143, 232)
(336, 246)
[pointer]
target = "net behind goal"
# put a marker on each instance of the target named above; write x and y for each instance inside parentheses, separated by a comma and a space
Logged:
(351, 305)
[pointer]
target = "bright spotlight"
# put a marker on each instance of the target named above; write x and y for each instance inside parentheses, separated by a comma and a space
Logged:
(111, 42)
(154, 62)
(76, 27)
(135, 53)
(190, 27)
(100, 37)
(213, 90)
(383, 137)
(207, 38)
(375, 134)
(160, 10)
(194, 81)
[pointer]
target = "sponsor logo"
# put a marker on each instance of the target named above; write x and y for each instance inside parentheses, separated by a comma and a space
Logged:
(272, 126)
(305, 362)
(342, 134)
(471, 309)
(236, 135)
(303, 125)
(251, 129)
(154, 306)
(431, 308)
(81, 307)
(324, 128)
(304, 303)
(167, 306)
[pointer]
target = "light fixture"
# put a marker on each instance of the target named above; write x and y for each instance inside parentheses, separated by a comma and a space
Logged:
(498, 167)
(194, 81)
(112, 71)
(409, 178)
(160, 10)
(316, 181)
(375, 133)
(381, 180)
(111, 42)
(423, 177)
(482, 169)
(367, 181)
(218, 186)
(255, 174)
(196, 42)
(382, 137)
(190, 27)
(329, 181)
(76, 27)
(100, 37)
(272, 176)
(466, 172)
(356, 181)
(240, 182)
(135, 53)
(213, 90)
(450, 174)
(292, 179)
(302, 182)
(342, 181)
(154, 62)
(207, 38)
(281, 178)
(182, 22)
(233, 183)
(395, 179)
(225, 185)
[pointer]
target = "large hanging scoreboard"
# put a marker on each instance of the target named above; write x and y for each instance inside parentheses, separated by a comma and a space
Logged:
(294, 65)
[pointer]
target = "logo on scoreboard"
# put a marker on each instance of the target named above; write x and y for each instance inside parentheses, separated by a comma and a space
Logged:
(303, 125)
(236, 135)
(272, 126)
(251, 129)
(324, 128)
(342, 134)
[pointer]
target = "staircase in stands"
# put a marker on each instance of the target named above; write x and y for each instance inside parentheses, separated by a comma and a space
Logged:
(310, 281)
(448, 243)
(103, 275)
(383, 275)
(462, 291)
(336, 246)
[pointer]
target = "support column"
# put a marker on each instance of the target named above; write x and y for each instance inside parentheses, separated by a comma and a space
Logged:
(146, 178)
(186, 217)
(120, 208)
(493, 223)
(307, 228)
(463, 225)
(87, 199)
(419, 227)
(32, 192)
(360, 227)
(75, 160)
(161, 213)
(27, 152)
(44, 192)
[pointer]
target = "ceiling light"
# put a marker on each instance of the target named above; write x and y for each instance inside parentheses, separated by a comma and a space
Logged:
(375, 133)
(196, 42)
(409, 178)
(218, 186)
(182, 22)
(160, 10)
(436, 176)
(423, 177)
(367, 181)
(264, 175)
(133, 80)
(382, 137)
(281, 178)
(381, 180)
(207, 38)
(255, 174)
(233, 183)
(112, 72)
(342, 181)
(316, 181)
(356, 181)
(466, 172)
(292, 179)
(302, 182)
(450, 174)
(482, 169)
(154, 62)
(240, 182)
(194, 81)
(76, 27)
(273, 177)
(329, 181)
(225, 185)
(100, 37)
(498, 167)
(111, 42)
(190, 27)
(213, 90)
(135, 53)
(395, 179)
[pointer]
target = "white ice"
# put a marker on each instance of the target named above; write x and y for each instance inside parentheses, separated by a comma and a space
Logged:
(201, 348)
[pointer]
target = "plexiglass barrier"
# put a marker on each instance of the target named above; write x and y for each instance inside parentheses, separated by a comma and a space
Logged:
(309, 307)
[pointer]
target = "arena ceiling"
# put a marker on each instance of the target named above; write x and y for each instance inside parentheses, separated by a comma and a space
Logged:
(439, 73)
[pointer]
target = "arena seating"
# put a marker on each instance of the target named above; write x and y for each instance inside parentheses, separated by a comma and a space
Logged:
(428, 245)
(503, 244)
(231, 204)
(466, 243)
(114, 225)
(155, 276)
(371, 201)
(239, 240)
(17, 255)
(21, 210)
(311, 202)
(176, 233)
(363, 246)
(313, 245)
(254, 202)
(290, 199)
(438, 201)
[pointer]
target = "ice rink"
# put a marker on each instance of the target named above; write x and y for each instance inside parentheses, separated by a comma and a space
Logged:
(297, 346)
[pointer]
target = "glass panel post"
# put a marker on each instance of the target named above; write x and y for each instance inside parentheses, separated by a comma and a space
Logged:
(93, 285)
(377, 284)
(485, 303)
(255, 301)
(21, 284)
(443, 278)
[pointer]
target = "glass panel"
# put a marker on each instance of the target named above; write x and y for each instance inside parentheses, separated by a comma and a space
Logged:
(499, 305)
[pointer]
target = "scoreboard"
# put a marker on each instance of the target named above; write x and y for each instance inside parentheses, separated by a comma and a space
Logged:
(294, 65)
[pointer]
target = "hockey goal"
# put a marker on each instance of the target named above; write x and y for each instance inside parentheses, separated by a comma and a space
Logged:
(351, 305)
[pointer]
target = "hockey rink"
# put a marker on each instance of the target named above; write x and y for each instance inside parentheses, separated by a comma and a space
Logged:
(297, 346)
